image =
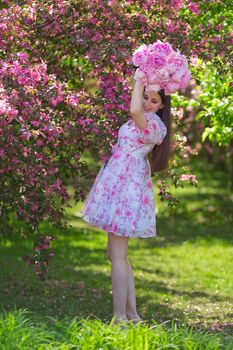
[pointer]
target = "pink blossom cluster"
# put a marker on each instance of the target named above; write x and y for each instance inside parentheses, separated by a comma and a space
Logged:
(177, 3)
(33, 136)
(194, 7)
(44, 127)
(189, 177)
(163, 67)
(41, 257)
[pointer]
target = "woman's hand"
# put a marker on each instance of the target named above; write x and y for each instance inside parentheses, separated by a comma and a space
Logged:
(139, 75)
(139, 83)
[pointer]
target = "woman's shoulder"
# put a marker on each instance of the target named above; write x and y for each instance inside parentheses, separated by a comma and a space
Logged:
(156, 117)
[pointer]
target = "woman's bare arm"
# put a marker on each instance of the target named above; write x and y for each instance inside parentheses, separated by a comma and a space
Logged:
(136, 108)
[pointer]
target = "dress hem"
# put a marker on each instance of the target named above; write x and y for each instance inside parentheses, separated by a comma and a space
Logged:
(86, 218)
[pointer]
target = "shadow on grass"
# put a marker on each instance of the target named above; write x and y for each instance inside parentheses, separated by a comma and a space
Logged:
(79, 286)
(80, 281)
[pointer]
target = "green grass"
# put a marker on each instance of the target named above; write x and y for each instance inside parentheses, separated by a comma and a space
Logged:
(184, 275)
(18, 330)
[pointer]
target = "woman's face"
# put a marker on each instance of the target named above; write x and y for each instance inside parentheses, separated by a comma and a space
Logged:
(152, 101)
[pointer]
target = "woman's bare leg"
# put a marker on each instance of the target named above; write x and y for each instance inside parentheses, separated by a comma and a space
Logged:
(131, 309)
(117, 253)
(124, 300)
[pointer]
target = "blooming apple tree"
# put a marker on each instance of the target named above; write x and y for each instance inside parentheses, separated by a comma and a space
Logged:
(50, 54)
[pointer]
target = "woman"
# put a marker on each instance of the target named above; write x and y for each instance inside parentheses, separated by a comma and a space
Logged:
(121, 200)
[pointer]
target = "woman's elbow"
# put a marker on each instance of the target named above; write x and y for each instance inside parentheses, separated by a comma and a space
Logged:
(134, 111)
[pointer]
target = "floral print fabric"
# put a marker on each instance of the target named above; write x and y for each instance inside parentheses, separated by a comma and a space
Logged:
(121, 199)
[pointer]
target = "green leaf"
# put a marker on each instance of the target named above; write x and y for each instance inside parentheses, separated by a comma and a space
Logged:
(200, 115)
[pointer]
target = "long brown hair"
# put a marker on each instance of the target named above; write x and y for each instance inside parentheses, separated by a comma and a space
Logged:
(159, 155)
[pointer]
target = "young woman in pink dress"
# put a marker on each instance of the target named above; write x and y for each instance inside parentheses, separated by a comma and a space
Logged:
(121, 200)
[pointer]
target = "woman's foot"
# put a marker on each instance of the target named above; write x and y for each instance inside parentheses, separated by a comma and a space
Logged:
(117, 320)
(135, 318)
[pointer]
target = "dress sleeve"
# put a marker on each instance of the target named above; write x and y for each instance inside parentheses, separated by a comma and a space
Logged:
(155, 130)
(114, 147)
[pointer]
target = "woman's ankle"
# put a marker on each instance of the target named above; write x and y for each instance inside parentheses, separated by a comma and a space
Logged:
(133, 315)
(120, 317)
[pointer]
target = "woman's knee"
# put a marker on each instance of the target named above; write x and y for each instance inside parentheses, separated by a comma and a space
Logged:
(117, 247)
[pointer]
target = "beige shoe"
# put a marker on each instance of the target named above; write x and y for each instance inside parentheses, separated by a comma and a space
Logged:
(136, 320)
(123, 322)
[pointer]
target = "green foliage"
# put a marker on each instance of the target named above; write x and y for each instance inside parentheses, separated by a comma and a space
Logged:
(212, 101)
(216, 100)
(184, 274)
(18, 330)
(88, 45)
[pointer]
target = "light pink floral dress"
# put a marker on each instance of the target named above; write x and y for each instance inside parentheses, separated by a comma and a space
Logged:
(121, 200)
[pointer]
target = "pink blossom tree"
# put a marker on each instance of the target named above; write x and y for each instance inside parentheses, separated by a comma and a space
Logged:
(50, 52)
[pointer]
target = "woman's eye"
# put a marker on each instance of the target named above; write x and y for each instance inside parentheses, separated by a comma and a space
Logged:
(146, 98)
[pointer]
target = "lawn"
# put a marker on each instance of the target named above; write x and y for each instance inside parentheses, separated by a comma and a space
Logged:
(184, 275)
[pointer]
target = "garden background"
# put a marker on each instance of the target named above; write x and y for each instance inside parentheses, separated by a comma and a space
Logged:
(65, 89)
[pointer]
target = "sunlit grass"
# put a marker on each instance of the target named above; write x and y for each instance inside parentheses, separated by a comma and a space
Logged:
(184, 274)
(18, 329)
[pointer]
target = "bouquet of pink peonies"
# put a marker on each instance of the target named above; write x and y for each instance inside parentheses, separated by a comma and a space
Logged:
(162, 67)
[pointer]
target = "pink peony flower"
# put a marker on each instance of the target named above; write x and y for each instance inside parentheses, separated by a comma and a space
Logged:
(140, 56)
(178, 74)
(171, 68)
(163, 74)
(184, 80)
(163, 67)
(178, 60)
(158, 61)
(163, 48)
(171, 87)
(155, 87)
